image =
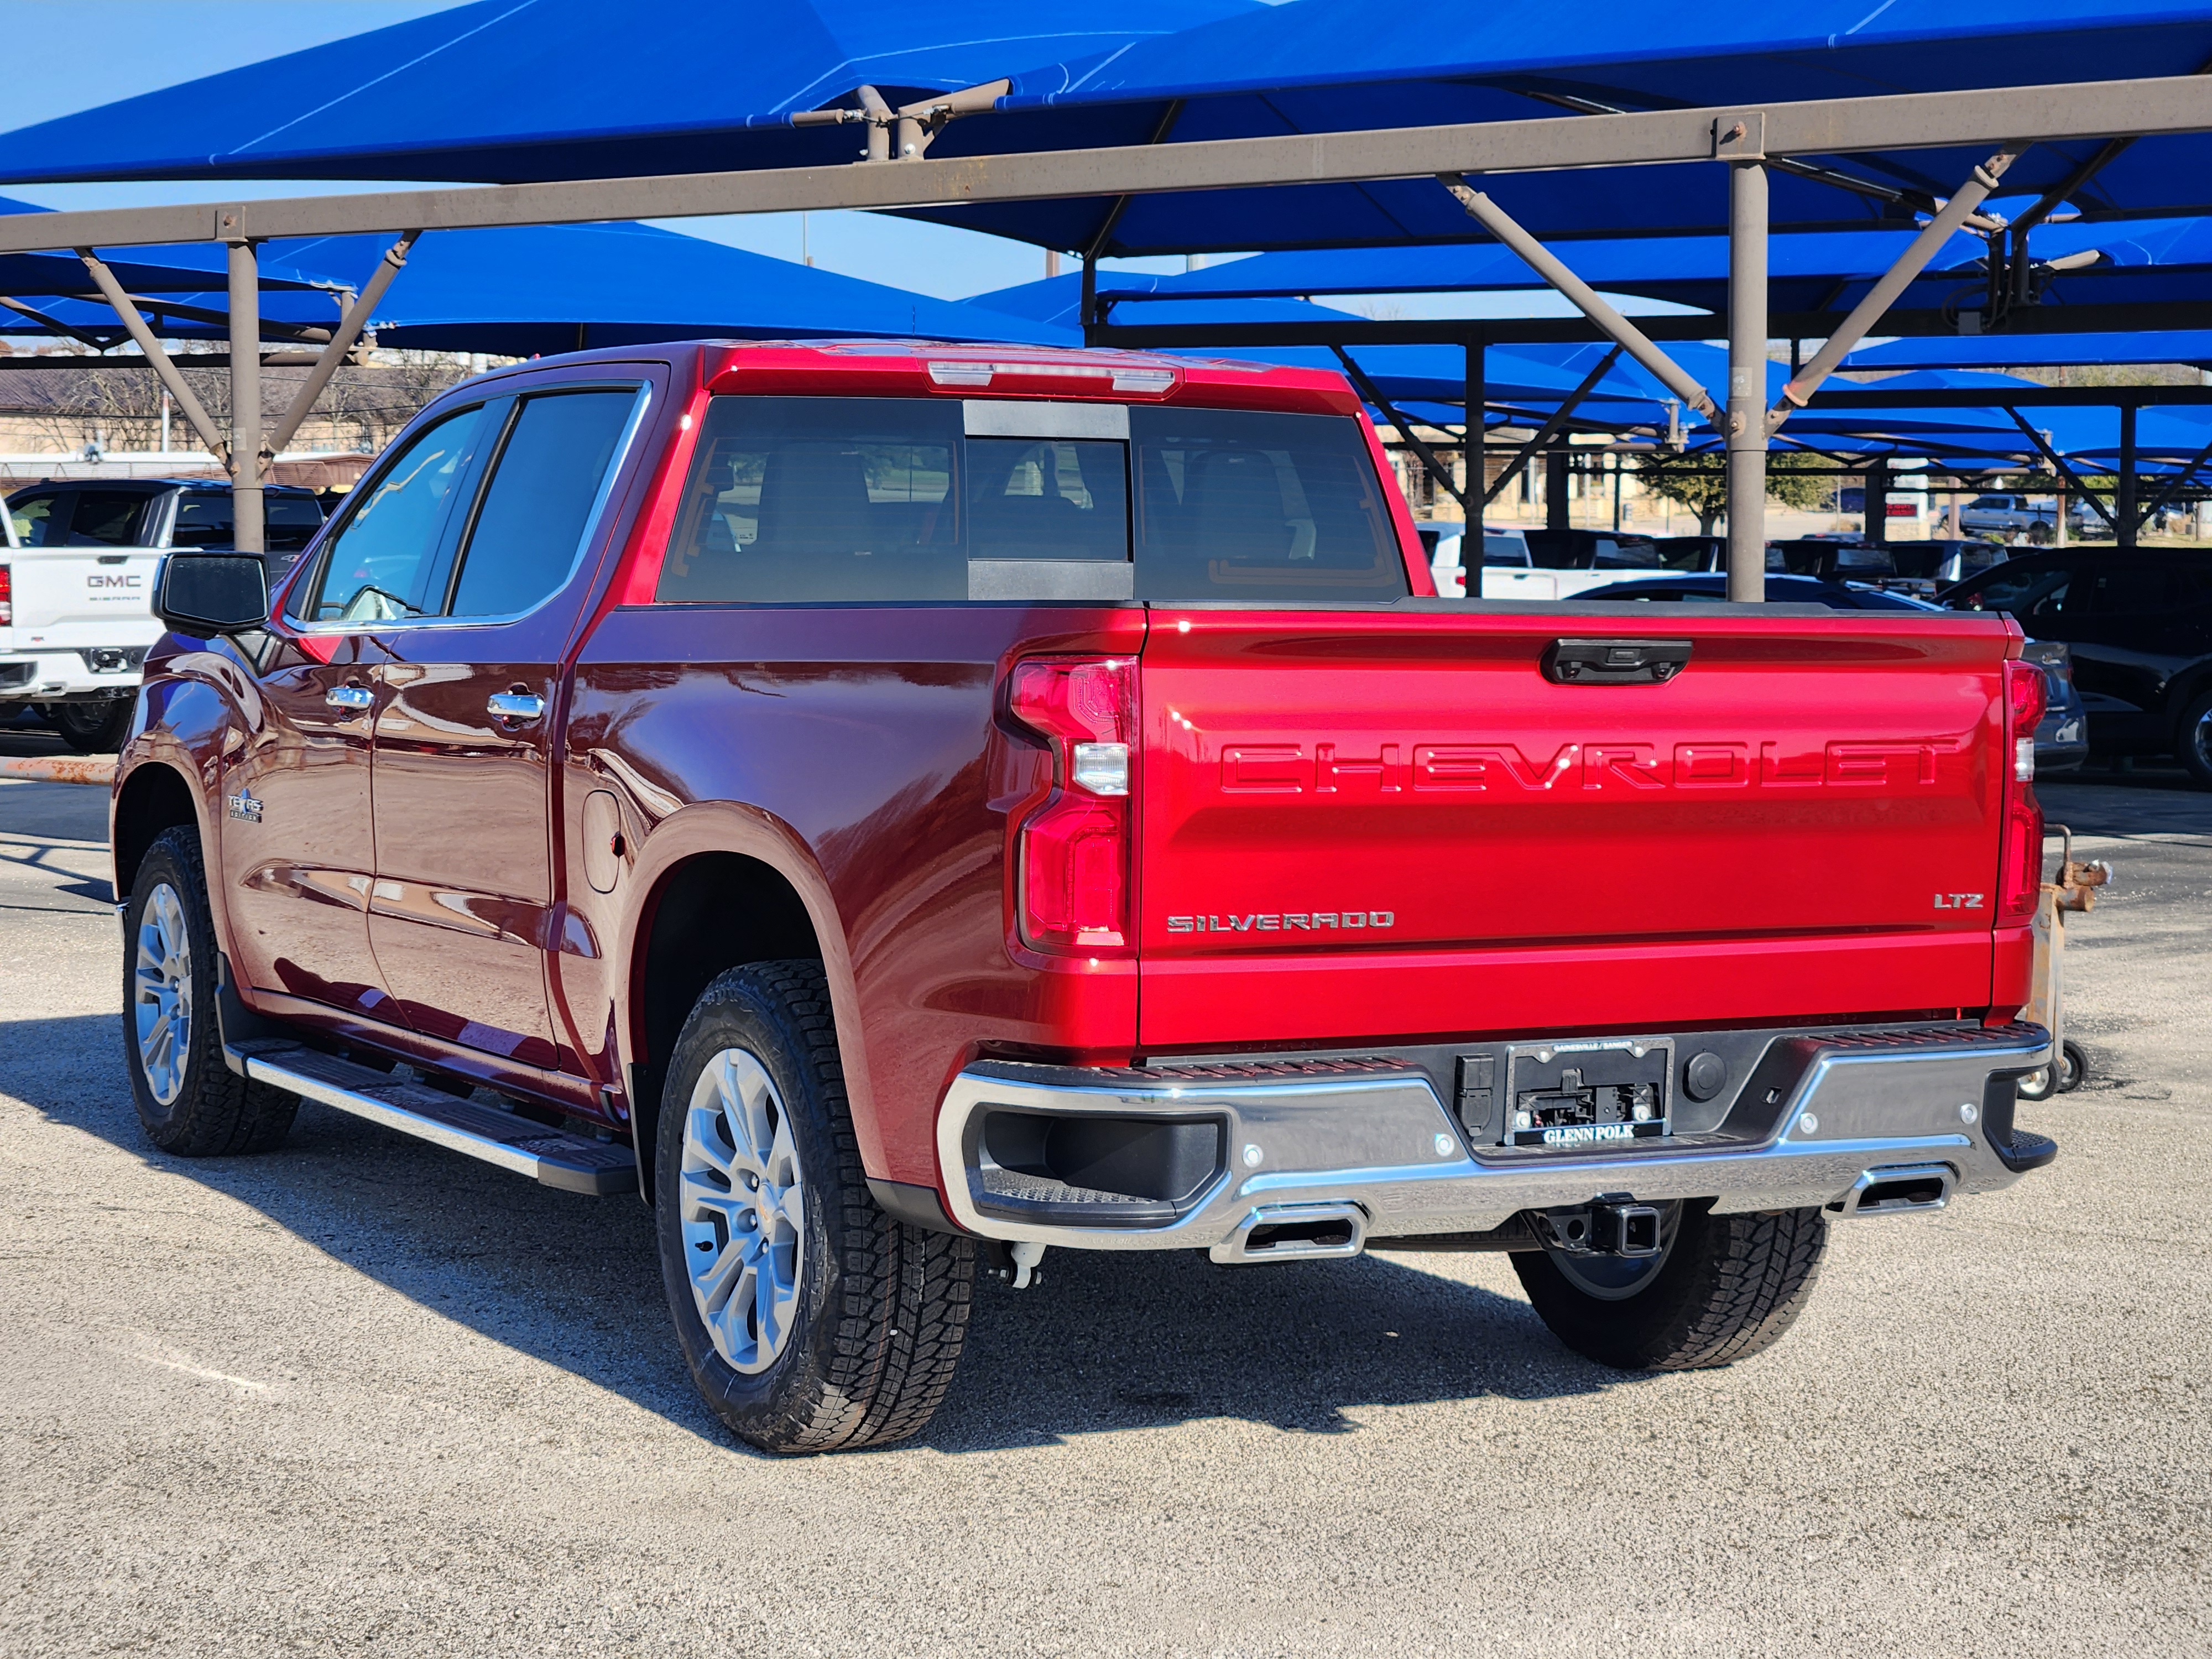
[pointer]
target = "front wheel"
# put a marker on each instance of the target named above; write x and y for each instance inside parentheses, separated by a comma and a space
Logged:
(1723, 1288)
(189, 1099)
(92, 728)
(810, 1320)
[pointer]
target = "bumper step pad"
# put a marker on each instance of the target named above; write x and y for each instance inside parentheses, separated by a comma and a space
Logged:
(552, 1157)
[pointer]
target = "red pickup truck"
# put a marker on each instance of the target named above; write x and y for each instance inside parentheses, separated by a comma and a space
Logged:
(901, 807)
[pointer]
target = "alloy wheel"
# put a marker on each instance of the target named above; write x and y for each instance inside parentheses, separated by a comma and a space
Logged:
(742, 1204)
(162, 994)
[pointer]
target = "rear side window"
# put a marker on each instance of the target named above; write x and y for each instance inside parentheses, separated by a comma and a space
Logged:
(106, 517)
(547, 479)
(821, 501)
(875, 501)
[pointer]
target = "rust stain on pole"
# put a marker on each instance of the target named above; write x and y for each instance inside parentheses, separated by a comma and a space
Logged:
(98, 770)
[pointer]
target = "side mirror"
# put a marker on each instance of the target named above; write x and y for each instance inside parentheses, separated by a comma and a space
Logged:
(210, 594)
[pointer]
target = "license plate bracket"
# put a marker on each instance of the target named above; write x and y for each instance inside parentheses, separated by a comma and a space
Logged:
(1588, 1093)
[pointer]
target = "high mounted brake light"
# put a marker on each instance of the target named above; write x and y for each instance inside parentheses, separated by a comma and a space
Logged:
(1139, 376)
(7, 597)
(1072, 858)
(2020, 867)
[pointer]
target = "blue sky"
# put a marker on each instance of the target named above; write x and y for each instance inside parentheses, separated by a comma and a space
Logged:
(67, 55)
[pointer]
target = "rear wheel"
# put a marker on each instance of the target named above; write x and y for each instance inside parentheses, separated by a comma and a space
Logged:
(1721, 1288)
(811, 1321)
(189, 1099)
(92, 728)
(2195, 746)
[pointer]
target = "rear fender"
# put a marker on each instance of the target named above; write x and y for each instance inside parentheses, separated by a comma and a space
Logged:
(723, 827)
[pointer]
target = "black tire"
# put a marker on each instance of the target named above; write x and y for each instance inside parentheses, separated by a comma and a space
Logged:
(2193, 742)
(2073, 1066)
(92, 728)
(211, 1111)
(1729, 1286)
(879, 1309)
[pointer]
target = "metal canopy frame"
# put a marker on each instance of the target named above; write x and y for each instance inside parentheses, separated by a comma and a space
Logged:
(1744, 138)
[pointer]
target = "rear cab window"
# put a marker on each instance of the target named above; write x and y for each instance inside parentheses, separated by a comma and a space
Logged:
(872, 500)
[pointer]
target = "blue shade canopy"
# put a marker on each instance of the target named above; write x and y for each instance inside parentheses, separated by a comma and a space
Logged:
(2037, 350)
(173, 283)
(541, 289)
(525, 89)
(573, 89)
(1339, 66)
(2155, 259)
(538, 291)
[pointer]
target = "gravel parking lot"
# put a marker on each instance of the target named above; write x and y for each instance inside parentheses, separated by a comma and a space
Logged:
(366, 1396)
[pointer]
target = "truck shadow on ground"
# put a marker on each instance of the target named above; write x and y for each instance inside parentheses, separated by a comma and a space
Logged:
(1135, 1340)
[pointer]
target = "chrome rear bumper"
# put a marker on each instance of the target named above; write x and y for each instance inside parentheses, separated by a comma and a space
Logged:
(1373, 1133)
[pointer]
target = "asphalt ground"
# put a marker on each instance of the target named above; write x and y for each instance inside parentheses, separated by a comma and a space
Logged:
(364, 1396)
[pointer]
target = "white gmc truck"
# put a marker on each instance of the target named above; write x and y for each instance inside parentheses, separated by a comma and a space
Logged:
(76, 573)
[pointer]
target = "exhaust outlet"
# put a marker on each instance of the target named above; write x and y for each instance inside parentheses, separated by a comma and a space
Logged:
(1295, 1232)
(1898, 1189)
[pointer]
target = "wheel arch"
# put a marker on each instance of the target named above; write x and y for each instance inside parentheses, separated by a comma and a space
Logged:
(153, 797)
(721, 887)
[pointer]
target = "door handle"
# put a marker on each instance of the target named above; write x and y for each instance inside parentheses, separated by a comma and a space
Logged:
(356, 697)
(520, 706)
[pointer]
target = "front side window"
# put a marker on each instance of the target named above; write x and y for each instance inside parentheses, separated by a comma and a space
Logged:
(383, 565)
(2023, 590)
(531, 527)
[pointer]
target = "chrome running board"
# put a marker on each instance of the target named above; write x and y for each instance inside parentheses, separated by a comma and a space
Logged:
(552, 1157)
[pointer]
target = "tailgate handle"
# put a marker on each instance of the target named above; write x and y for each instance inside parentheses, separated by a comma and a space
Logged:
(1614, 662)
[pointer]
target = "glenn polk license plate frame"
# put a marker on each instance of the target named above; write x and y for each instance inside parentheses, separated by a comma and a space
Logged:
(1648, 1060)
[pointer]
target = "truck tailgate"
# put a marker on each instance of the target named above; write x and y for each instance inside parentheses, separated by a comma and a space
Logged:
(69, 597)
(1367, 824)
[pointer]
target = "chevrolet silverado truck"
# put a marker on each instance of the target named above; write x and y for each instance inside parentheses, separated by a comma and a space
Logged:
(76, 574)
(905, 808)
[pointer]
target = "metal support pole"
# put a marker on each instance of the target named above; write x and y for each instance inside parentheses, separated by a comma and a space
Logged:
(1478, 441)
(246, 461)
(2042, 442)
(172, 378)
(341, 339)
(1877, 501)
(1746, 405)
(2129, 523)
(2176, 484)
(1373, 394)
(1610, 323)
(1894, 281)
(1556, 512)
(1538, 445)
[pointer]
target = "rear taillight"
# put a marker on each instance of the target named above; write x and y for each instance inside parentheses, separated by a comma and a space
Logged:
(1071, 855)
(7, 597)
(2019, 868)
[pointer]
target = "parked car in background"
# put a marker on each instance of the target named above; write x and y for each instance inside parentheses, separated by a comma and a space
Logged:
(2028, 518)
(909, 816)
(1565, 562)
(2062, 742)
(2139, 625)
(1444, 540)
(79, 577)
